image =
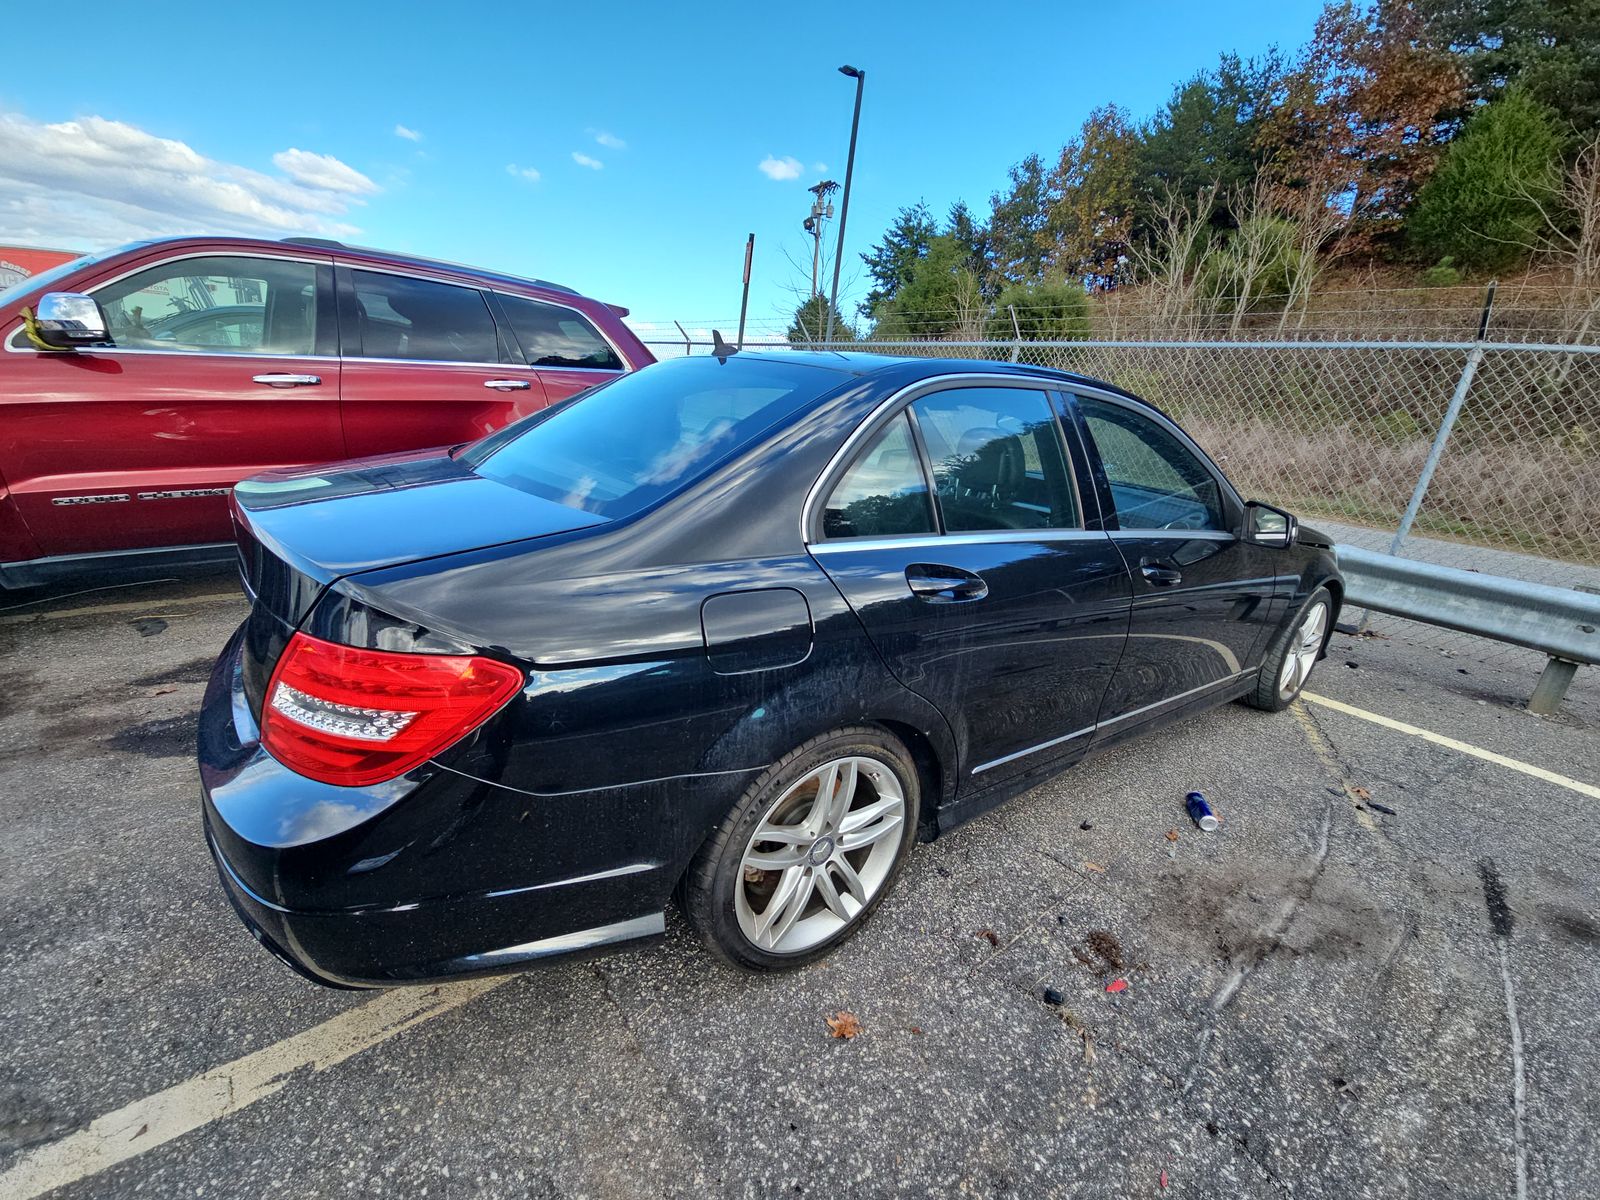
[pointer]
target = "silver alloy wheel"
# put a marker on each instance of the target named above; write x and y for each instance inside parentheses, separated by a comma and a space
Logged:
(1304, 645)
(820, 854)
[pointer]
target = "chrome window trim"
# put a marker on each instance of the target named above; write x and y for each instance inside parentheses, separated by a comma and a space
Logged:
(242, 356)
(1203, 535)
(315, 261)
(437, 362)
(908, 395)
(974, 537)
(1099, 725)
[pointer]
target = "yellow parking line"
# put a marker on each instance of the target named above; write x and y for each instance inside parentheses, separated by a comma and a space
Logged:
(221, 1091)
(1438, 739)
(1330, 762)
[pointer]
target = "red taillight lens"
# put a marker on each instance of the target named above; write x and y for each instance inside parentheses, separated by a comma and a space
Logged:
(353, 717)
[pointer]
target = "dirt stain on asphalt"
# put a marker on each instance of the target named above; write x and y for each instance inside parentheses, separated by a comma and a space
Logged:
(1104, 946)
(196, 670)
(1227, 914)
(1572, 925)
(1501, 919)
(168, 737)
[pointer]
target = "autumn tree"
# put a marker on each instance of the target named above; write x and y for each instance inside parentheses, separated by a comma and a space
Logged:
(1366, 109)
(1090, 220)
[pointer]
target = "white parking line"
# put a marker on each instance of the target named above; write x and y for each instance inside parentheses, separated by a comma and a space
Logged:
(1438, 739)
(221, 1091)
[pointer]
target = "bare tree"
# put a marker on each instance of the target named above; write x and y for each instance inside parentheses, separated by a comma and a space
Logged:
(1169, 264)
(971, 309)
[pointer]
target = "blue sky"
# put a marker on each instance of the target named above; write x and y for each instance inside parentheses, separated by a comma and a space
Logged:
(289, 117)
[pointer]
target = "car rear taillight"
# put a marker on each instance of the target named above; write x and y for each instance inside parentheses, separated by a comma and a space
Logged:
(349, 716)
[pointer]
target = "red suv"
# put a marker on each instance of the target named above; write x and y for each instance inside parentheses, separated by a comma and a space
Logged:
(138, 386)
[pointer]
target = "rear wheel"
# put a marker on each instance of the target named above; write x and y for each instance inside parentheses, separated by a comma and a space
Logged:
(1293, 652)
(808, 853)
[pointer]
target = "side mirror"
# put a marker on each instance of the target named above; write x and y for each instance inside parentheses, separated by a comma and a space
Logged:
(67, 320)
(1268, 526)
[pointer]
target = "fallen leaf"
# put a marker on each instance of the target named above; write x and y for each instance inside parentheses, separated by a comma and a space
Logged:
(843, 1024)
(1172, 835)
(1095, 867)
(1361, 793)
(160, 691)
(143, 1129)
(1163, 1181)
(1117, 985)
(917, 1029)
(988, 935)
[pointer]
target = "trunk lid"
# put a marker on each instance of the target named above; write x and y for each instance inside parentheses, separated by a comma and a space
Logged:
(300, 530)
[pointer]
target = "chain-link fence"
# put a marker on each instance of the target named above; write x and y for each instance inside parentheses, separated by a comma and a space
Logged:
(1343, 433)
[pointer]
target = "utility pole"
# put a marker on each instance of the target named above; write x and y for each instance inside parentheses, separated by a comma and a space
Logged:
(821, 212)
(860, 77)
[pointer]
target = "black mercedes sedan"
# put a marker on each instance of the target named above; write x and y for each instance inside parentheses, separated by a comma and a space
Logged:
(741, 628)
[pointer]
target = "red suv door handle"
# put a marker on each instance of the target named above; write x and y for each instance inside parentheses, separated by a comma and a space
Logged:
(287, 380)
(507, 385)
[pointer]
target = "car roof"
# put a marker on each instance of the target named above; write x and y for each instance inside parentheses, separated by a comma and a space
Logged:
(391, 257)
(910, 368)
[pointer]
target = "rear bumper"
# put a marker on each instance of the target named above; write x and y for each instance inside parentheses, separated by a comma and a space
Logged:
(434, 876)
(410, 944)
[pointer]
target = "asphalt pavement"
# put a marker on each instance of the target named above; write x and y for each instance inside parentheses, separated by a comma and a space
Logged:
(1378, 978)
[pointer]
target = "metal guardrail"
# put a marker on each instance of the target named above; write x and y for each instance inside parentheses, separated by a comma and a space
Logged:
(1556, 621)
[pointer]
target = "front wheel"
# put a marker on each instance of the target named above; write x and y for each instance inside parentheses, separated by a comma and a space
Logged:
(1292, 653)
(808, 852)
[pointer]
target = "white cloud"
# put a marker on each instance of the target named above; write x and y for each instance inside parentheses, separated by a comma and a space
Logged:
(583, 160)
(531, 174)
(322, 171)
(93, 182)
(820, 168)
(609, 140)
(787, 167)
(410, 135)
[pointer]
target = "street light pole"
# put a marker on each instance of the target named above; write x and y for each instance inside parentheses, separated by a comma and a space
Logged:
(844, 206)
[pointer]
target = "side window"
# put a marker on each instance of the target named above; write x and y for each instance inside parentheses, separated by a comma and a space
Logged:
(1155, 481)
(217, 305)
(557, 337)
(401, 317)
(884, 492)
(997, 459)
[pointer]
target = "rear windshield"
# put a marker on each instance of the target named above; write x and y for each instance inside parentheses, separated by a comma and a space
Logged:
(621, 447)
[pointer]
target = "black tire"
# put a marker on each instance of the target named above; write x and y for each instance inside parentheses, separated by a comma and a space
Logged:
(1268, 694)
(709, 885)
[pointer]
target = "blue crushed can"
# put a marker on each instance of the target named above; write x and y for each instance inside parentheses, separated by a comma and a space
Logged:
(1200, 812)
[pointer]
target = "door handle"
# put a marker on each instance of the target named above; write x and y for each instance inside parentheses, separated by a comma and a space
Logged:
(1158, 574)
(944, 585)
(287, 380)
(507, 385)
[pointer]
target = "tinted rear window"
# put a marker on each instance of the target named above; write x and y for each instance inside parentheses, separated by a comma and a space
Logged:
(621, 447)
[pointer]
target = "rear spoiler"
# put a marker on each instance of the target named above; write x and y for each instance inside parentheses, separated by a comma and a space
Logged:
(618, 309)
